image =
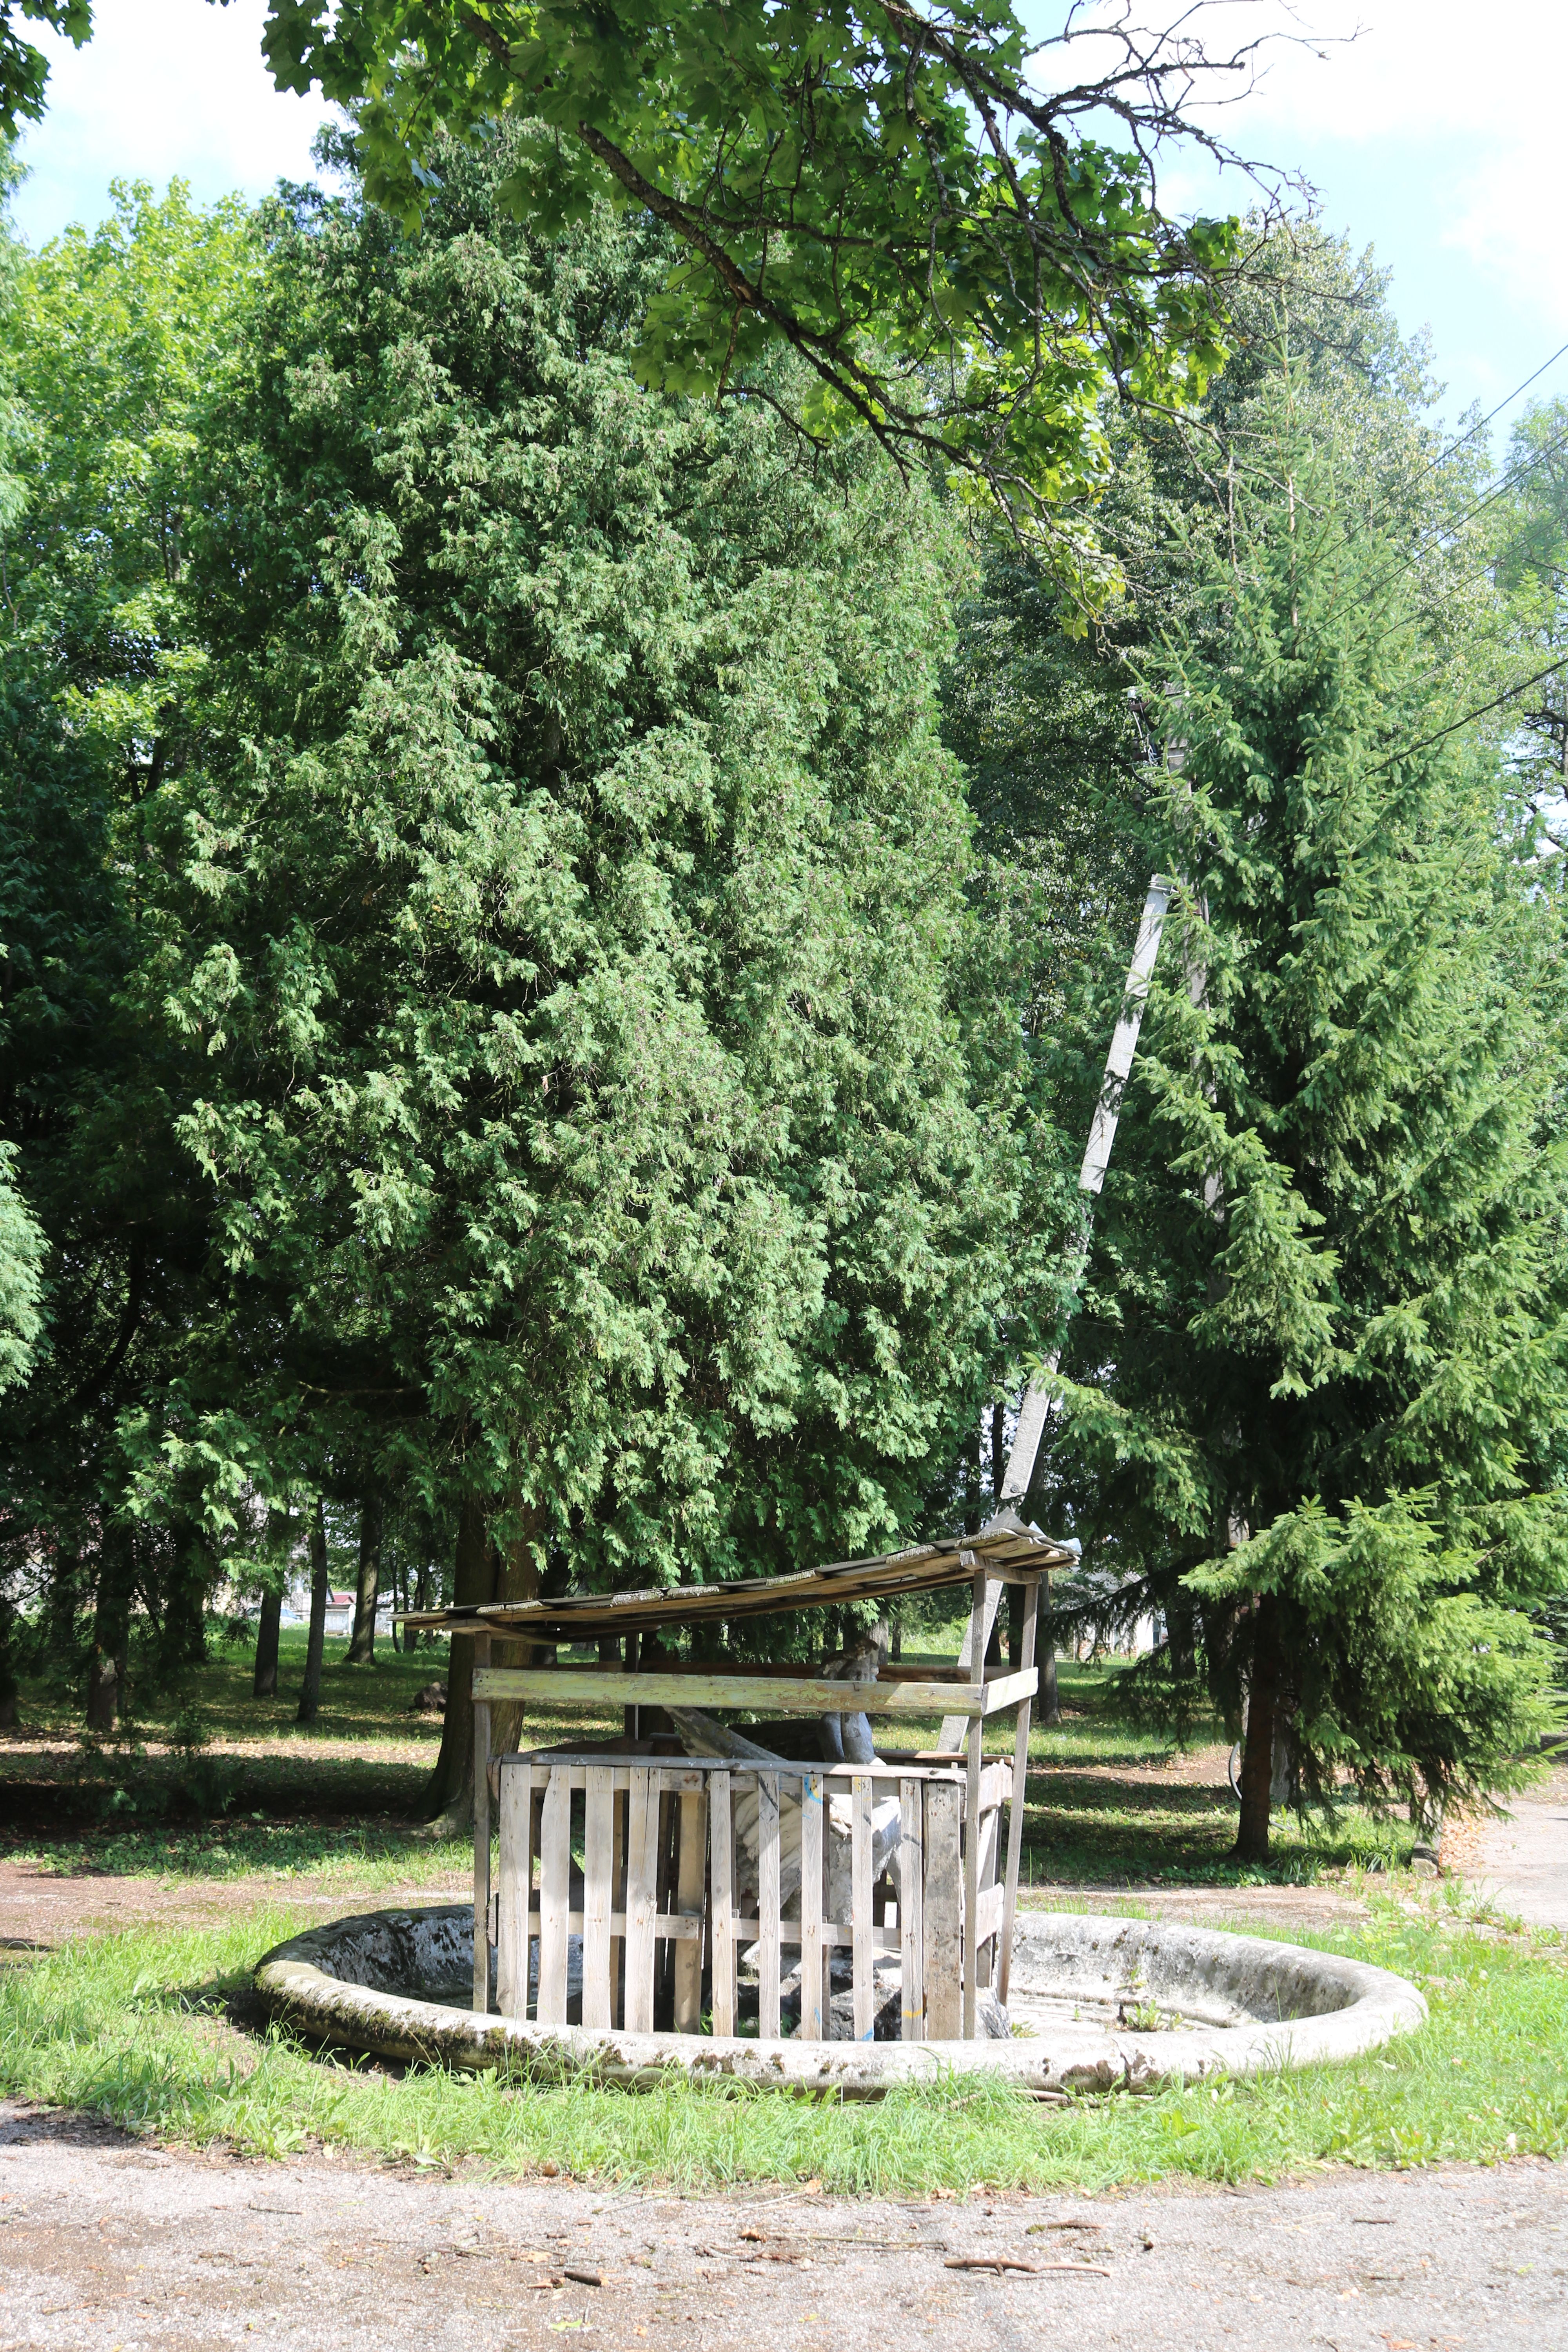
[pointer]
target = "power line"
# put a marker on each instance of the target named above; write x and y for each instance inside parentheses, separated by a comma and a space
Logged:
(1424, 742)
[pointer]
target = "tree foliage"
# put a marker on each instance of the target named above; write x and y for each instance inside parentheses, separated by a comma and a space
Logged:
(921, 202)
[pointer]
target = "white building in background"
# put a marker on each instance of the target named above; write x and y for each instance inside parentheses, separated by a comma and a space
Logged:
(340, 1612)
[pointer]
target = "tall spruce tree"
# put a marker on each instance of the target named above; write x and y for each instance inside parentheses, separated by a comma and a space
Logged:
(609, 1132)
(1315, 1398)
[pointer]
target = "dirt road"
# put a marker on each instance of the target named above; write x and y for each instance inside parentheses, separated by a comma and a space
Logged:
(107, 2243)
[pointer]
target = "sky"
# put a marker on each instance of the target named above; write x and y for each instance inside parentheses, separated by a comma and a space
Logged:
(1434, 136)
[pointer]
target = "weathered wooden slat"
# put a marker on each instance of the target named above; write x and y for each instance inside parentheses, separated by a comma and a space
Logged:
(482, 1838)
(642, 1870)
(912, 1907)
(598, 1854)
(990, 1843)
(555, 1898)
(984, 1598)
(668, 1927)
(605, 1687)
(768, 1905)
(813, 2026)
(689, 1905)
(943, 1914)
(689, 1771)
(861, 1907)
(1018, 1799)
(619, 1800)
(721, 1901)
(993, 1909)
(972, 1883)
(516, 1815)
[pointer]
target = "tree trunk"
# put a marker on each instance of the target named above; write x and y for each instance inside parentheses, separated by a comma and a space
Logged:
(264, 1684)
(1046, 1658)
(1182, 1636)
(448, 1802)
(516, 1572)
(1257, 1753)
(111, 1629)
(7, 1665)
(310, 1694)
(1014, 1627)
(362, 1649)
(184, 1638)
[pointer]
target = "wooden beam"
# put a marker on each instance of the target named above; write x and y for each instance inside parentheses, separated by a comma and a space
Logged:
(775, 1694)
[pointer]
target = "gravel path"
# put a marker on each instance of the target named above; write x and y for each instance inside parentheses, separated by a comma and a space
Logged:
(107, 2243)
(1522, 1861)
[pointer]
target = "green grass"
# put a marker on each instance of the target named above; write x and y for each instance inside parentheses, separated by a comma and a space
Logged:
(137, 2028)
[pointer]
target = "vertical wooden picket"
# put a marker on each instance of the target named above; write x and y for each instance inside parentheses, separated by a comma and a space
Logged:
(768, 1905)
(813, 2026)
(598, 1844)
(983, 1609)
(516, 1871)
(912, 1907)
(721, 1901)
(943, 1912)
(481, 1836)
(1016, 1806)
(554, 1896)
(865, 1967)
(619, 1804)
(642, 1883)
(689, 1905)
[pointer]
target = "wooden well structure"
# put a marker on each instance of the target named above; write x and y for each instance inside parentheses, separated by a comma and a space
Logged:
(688, 1861)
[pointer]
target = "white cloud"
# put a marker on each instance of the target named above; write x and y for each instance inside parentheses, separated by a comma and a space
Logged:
(164, 88)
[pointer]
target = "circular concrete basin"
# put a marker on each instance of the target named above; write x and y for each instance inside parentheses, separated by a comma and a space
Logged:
(1096, 2004)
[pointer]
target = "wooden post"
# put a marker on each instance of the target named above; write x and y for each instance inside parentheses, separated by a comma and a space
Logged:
(721, 1901)
(979, 1636)
(482, 1836)
(1015, 1808)
(861, 1907)
(629, 1714)
(768, 1905)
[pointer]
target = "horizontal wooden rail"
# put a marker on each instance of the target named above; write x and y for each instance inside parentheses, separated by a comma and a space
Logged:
(778, 1694)
(673, 1927)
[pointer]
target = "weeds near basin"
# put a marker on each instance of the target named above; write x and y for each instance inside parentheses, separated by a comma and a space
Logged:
(155, 2031)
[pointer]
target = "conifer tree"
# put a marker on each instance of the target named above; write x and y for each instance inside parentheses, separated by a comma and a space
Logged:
(1315, 1399)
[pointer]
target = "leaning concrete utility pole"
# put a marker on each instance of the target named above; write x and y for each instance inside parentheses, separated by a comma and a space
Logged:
(1034, 1411)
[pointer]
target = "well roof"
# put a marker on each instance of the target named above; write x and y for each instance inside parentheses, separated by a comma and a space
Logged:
(1005, 1548)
